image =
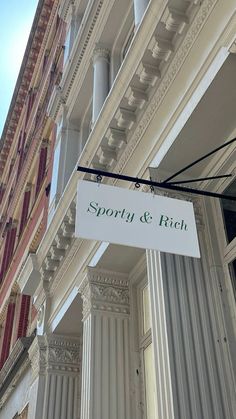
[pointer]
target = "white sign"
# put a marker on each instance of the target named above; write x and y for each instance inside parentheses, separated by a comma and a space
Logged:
(134, 218)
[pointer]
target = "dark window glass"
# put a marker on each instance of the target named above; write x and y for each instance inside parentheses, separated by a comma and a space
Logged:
(232, 269)
(229, 212)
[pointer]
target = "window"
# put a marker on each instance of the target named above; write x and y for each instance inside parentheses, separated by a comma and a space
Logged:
(23, 316)
(2, 190)
(229, 218)
(67, 46)
(127, 43)
(232, 270)
(229, 212)
(41, 167)
(55, 171)
(8, 248)
(21, 149)
(25, 209)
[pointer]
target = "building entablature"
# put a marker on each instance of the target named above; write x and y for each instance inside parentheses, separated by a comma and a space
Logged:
(23, 155)
(91, 33)
(64, 9)
(140, 86)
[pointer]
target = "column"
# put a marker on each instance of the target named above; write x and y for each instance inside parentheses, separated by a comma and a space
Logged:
(139, 10)
(105, 391)
(55, 362)
(100, 79)
(192, 372)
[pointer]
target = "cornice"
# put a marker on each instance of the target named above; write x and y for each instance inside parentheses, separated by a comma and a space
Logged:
(34, 134)
(133, 120)
(64, 9)
(26, 73)
(178, 60)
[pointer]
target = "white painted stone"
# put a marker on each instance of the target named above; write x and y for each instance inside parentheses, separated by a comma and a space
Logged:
(100, 80)
(105, 392)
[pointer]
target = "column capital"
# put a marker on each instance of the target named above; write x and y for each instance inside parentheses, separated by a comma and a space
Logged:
(106, 291)
(101, 52)
(55, 354)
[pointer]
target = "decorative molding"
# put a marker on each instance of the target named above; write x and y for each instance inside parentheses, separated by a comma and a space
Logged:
(116, 138)
(148, 73)
(64, 9)
(55, 354)
(125, 118)
(167, 80)
(104, 290)
(136, 97)
(161, 49)
(57, 251)
(174, 20)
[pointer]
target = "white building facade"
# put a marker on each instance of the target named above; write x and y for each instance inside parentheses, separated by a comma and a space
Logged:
(126, 333)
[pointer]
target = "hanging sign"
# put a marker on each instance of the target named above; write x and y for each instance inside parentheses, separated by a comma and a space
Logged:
(134, 218)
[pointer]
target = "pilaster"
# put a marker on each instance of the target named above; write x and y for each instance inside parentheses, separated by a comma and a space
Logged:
(55, 362)
(192, 372)
(105, 373)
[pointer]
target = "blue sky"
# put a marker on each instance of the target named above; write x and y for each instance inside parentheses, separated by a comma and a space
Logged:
(16, 18)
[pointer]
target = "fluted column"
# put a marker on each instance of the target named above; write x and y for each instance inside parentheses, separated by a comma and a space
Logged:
(139, 10)
(100, 79)
(193, 377)
(105, 363)
(55, 362)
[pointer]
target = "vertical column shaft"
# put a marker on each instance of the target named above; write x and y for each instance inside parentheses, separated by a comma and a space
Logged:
(100, 80)
(105, 371)
(191, 371)
(159, 333)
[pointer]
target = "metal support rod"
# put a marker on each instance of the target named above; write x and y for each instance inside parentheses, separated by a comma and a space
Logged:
(198, 160)
(152, 183)
(200, 179)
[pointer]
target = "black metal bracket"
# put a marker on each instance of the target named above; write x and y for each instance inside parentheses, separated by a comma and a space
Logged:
(162, 185)
(199, 160)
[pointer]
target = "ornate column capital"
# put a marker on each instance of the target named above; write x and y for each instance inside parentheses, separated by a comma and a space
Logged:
(55, 354)
(105, 291)
(101, 52)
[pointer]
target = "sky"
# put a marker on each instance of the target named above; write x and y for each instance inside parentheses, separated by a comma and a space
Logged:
(16, 18)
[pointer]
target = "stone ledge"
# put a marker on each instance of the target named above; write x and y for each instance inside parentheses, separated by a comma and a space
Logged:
(29, 277)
